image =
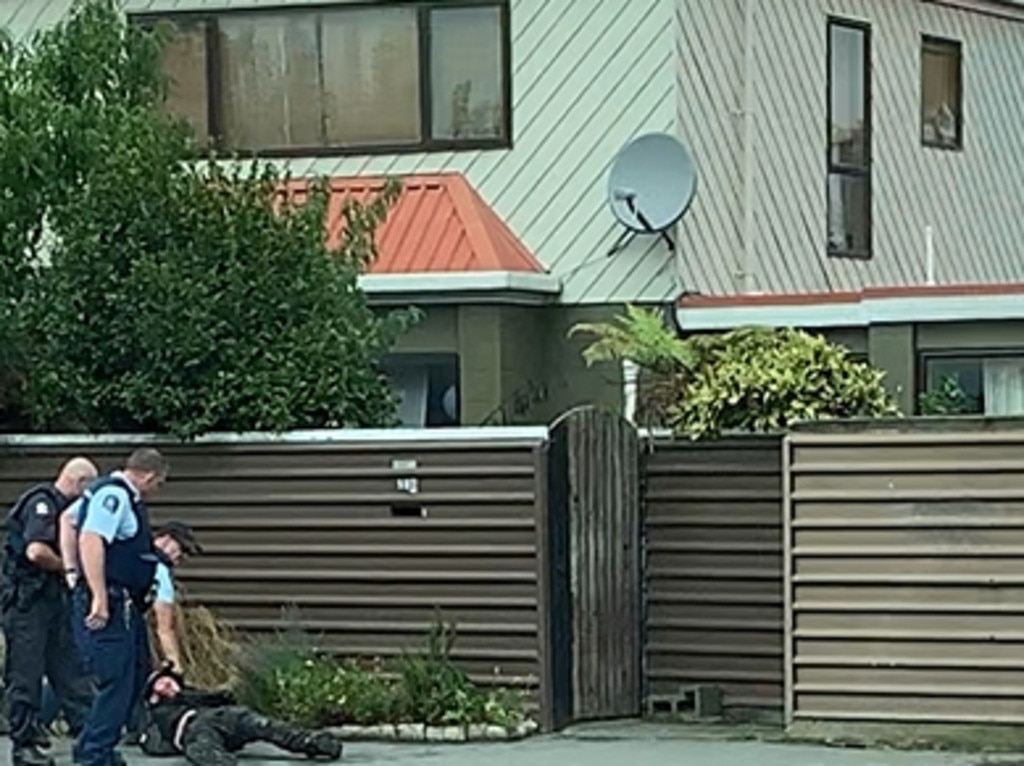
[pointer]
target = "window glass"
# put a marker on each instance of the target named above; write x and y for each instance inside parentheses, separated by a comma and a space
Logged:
(848, 131)
(184, 65)
(940, 94)
(270, 84)
(341, 77)
(371, 76)
(849, 213)
(465, 73)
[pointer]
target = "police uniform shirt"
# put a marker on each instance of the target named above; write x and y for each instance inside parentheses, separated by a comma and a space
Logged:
(110, 513)
(39, 519)
(164, 584)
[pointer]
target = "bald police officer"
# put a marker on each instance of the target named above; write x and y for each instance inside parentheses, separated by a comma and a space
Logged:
(35, 620)
(118, 563)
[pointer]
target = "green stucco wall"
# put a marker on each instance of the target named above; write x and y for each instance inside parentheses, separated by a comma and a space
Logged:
(516, 364)
(891, 348)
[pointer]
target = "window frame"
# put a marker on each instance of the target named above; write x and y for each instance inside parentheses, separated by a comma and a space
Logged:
(423, 10)
(979, 355)
(944, 45)
(853, 171)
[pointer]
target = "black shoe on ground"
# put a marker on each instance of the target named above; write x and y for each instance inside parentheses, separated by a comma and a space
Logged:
(30, 756)
(324, 746)
(41, 739)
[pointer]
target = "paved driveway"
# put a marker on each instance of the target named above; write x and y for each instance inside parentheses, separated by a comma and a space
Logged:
(640, 747)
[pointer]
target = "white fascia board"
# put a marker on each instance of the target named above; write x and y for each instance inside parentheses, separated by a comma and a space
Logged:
(409, 436)
(869, 311)
(460, 281)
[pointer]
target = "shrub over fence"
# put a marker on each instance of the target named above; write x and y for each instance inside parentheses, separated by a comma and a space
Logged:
(752, 379)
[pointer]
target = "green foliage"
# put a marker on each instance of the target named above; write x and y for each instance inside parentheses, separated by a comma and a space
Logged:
(948, 399)
(761, 380)
(181, 296)
(640, 336)
(749, 379)
(288, 679)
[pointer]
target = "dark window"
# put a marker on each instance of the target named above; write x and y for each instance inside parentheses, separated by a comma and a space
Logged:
(427, 386)
(849, 139)
(941, 93)
(343, 79)
(972, 384)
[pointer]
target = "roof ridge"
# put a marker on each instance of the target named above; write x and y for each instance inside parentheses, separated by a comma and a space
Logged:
(467, 208)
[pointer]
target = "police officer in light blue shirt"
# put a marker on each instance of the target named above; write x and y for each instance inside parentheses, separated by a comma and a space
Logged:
(118, 565)
(174, 542)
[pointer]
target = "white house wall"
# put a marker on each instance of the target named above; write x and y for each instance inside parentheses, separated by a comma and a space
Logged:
(972, 199)
(587, 76)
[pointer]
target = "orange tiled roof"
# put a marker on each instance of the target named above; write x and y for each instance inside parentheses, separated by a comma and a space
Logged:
(439, 224)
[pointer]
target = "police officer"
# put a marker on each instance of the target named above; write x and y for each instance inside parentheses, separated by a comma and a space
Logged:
(118, 563)
(35, 620)
(174, 541)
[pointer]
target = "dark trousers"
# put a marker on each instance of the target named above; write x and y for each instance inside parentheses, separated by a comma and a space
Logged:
(214, 736)
(39, 643)
(113, 659)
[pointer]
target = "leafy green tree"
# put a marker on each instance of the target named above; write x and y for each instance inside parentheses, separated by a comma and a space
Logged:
(748, 379)
(183, 296)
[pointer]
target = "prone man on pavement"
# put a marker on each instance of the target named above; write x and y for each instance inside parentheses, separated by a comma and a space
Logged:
(208, 728)
(118, 562)
(36, 622)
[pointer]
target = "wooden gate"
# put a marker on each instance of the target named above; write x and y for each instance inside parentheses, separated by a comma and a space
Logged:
(595, 546)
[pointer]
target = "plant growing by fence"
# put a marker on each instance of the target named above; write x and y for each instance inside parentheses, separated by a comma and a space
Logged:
(749, 379)
(289, 678)
(178, 295)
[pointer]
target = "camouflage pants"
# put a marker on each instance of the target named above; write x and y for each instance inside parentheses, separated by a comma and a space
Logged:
(214, 736)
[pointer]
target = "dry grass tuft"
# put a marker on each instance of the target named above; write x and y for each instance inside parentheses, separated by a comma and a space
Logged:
(209, 646)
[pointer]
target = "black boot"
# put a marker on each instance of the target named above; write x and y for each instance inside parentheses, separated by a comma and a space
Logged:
(323, 745)
(30, 755)
(41, 739)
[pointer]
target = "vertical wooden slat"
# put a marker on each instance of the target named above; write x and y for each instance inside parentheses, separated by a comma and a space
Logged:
(604, 518)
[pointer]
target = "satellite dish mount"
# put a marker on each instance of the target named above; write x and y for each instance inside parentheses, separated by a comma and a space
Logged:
(651, 186)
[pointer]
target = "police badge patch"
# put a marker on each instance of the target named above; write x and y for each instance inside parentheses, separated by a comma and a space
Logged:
(42, 509)
(111, 503)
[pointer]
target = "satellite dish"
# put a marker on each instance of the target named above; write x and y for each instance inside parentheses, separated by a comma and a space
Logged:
(651, 185)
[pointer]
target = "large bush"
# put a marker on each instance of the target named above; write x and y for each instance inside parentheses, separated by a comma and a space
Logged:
(180, 296)
(749, 379)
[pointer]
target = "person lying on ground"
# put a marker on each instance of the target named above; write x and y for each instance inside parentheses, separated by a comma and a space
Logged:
(208, 728)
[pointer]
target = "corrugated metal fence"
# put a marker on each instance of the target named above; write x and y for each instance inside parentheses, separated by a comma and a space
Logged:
(905, 574)
(714, 569)
(365, 536)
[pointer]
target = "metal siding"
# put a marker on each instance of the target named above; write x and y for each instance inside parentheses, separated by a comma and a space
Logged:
(905, 573)
(713, 532)
(967, 197)
(588, 75)
(314, 526)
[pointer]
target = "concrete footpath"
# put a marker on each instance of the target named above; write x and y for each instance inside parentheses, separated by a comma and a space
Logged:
(629, 745)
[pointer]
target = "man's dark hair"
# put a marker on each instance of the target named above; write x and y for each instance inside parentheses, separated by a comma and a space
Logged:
(148, 460)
